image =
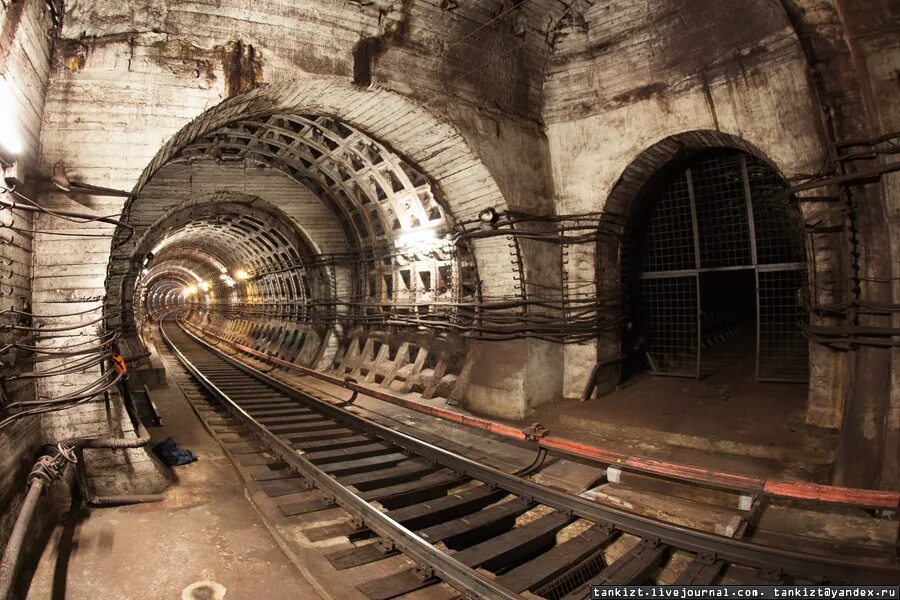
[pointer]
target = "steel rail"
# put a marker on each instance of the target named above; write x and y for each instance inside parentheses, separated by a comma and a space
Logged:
(406, 541)
(813, 566)
(576, 451)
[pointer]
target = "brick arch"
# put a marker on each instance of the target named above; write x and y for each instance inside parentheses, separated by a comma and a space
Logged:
(637, 177)
(653, 159)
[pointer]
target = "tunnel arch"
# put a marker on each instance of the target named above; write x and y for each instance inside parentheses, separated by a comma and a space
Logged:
(309, 131)
(431, 143)
(203, 240)
(645, 173)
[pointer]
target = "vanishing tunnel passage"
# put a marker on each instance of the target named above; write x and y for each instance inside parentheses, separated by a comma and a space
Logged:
(331, 236)
(716, 272)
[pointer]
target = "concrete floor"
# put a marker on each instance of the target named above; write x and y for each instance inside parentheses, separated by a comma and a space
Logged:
(752, 429)
(726, 420)
(205, 541)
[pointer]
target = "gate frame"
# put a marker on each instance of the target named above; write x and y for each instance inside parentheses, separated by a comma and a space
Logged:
(644, 171)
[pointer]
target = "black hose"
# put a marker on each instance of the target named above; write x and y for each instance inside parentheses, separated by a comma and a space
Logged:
(46, 470)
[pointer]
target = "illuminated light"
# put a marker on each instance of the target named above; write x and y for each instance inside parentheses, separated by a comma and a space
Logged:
(59, 177)
(488, 216)
(190, 290)
(417, 240)
(10, 138)
(203, 285)
(241, 275)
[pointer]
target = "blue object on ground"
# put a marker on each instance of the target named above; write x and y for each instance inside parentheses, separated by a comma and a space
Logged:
(169, 452)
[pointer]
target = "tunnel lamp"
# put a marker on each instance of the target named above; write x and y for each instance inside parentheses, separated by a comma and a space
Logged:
(59, 178)
(190, 290)
(203, 285)
(488, 216)
(417, 240)
(241, 275)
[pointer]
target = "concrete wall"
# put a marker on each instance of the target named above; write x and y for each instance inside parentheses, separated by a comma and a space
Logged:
(629, 76)
(880, 47)
(129, 76)
(626, 75)
(25, 45)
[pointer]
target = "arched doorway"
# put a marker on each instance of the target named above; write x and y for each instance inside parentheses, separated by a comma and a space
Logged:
(714, 271)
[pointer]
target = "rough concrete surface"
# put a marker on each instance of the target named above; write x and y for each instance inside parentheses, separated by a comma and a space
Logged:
(205, 536)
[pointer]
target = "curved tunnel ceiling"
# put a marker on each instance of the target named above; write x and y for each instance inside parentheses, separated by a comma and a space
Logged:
(236, 264)
(374, 194)
(220, 252)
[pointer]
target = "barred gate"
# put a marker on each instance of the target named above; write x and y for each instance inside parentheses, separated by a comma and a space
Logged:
(722, 226)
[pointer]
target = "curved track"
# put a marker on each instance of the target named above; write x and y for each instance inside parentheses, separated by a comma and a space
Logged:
(485, 532)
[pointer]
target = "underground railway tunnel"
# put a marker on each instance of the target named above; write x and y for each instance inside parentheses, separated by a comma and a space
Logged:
(492, 299)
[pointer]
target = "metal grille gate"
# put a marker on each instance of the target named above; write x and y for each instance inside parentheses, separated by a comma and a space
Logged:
(719, 223)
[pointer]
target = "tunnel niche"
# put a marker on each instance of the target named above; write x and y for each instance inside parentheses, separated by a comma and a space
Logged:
(714, 273)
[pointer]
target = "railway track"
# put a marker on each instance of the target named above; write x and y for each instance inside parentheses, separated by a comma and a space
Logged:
(486, 533)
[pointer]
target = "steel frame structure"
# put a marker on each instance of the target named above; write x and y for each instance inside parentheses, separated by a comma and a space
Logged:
(717, 229)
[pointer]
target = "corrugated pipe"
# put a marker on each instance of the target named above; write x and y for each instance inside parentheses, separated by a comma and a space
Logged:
(46, 470)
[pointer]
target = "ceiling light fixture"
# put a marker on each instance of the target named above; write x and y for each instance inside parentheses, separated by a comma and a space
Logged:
(59, 177)
(488, 216)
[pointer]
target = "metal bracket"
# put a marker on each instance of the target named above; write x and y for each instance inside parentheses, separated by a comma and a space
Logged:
(606, 526)
(535, 432)
(526, 499)
(424, 573)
